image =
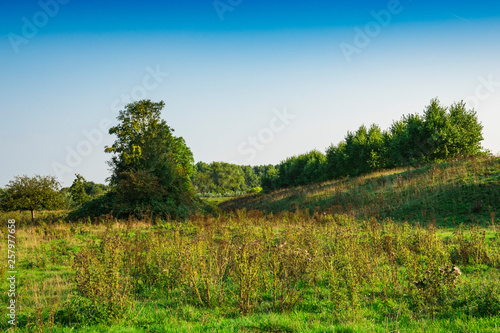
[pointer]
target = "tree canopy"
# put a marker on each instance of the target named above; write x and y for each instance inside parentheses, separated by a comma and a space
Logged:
(225, 178)
(151, 168)
(32, 193)
(439, 134)
(77, 190)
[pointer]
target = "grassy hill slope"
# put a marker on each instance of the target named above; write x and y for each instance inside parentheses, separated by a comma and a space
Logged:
(448, 193)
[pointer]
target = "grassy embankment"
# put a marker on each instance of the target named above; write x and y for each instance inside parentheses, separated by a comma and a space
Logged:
(339, 267)
(445, 194)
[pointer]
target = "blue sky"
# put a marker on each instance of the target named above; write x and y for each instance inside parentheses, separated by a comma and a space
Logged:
(249, 82)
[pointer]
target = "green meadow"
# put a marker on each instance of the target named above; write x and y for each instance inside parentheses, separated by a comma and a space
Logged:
(403, 250)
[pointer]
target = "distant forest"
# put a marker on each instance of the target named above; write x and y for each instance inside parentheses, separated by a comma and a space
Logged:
(225, 179)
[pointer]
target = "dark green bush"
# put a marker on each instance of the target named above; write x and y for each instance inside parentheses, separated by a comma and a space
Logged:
(99, 206)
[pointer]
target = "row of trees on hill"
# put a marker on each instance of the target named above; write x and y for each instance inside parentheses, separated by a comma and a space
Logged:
(225, 178)
(297, 170)
(440, 133)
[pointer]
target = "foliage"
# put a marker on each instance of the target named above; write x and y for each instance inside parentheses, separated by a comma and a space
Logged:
(252, 176)
(295, 171)
(221, 178)
(99, 206)
(360, 153)
(448, 193)
(440, 134)
(94, 190)
(32, 193)
(86, 190)
(327, 257)
(269, 180)
(77, 190)
(151, 168)
(3, 194)
(292, 272)
(256, 190)
(103, 292)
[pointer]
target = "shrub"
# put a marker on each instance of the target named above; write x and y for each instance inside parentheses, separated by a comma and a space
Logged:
(103, 288)
(96, 207)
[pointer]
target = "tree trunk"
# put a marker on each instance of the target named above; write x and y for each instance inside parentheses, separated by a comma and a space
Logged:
(32, 216)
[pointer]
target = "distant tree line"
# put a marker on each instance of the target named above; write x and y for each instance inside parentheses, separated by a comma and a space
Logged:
(225, 178)
(439, 134)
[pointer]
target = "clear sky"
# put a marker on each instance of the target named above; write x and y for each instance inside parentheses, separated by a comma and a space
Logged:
(248, 82)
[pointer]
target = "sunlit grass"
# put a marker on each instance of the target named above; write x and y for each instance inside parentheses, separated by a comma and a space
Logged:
(250, 272)
(353, 255)
(447, 194)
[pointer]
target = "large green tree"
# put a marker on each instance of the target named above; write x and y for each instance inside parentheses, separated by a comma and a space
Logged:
(269, 179)
(32, 193)
(251, 178)
(439, 134)
(151, 168)
(465, 131)
(202, 178)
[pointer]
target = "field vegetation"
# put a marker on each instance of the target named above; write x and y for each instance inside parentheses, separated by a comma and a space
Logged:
(446, 194)
(282, 268)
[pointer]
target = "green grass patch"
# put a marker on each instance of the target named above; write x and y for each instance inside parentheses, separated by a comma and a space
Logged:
(250, 272)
